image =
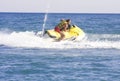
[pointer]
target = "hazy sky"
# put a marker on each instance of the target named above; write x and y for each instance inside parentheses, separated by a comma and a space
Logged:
(69, 6)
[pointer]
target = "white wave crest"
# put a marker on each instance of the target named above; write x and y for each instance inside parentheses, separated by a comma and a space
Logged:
(28, 39)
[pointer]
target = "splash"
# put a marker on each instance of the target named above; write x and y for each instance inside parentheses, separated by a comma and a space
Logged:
(28, 39)
(43, 27)
(45, 18)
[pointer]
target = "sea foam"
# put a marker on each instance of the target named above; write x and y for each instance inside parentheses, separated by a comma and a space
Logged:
(29, 39)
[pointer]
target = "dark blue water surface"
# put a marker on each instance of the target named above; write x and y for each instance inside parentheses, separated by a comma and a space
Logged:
(91, 23)
(26, 57)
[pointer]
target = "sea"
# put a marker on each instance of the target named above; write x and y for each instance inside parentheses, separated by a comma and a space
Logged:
(26, 56)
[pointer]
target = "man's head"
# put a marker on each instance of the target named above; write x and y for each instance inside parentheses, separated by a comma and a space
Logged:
(68, 21)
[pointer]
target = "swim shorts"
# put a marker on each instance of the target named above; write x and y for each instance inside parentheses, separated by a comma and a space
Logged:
(57, 29)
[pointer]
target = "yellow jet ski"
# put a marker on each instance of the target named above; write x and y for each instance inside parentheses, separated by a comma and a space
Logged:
(73, 32)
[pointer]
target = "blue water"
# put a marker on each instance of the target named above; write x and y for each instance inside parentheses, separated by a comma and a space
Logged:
(27, 57)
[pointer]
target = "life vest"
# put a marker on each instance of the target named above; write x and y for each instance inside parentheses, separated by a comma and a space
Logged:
(61, 24)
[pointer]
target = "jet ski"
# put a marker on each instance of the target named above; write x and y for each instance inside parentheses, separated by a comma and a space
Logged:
(72, 33)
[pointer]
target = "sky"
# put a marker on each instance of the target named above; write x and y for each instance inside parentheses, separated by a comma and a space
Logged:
(61, 6)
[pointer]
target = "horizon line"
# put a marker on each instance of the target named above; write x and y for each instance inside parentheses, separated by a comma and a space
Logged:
(66, 12)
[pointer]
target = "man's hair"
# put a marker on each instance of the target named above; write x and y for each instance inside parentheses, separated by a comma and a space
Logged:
(67, 20)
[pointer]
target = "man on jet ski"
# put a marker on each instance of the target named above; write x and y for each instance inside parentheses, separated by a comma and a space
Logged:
(62, 26)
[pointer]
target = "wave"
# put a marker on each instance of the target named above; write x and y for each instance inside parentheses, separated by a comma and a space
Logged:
(29, 39)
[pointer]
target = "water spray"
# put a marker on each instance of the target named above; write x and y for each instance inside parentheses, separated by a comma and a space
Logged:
(45, 19)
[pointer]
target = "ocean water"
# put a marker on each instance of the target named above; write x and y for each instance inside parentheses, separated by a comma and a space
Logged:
(24, 56)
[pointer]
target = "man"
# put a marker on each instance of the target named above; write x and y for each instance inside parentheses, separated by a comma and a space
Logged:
(62, 26)
(69, 23)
